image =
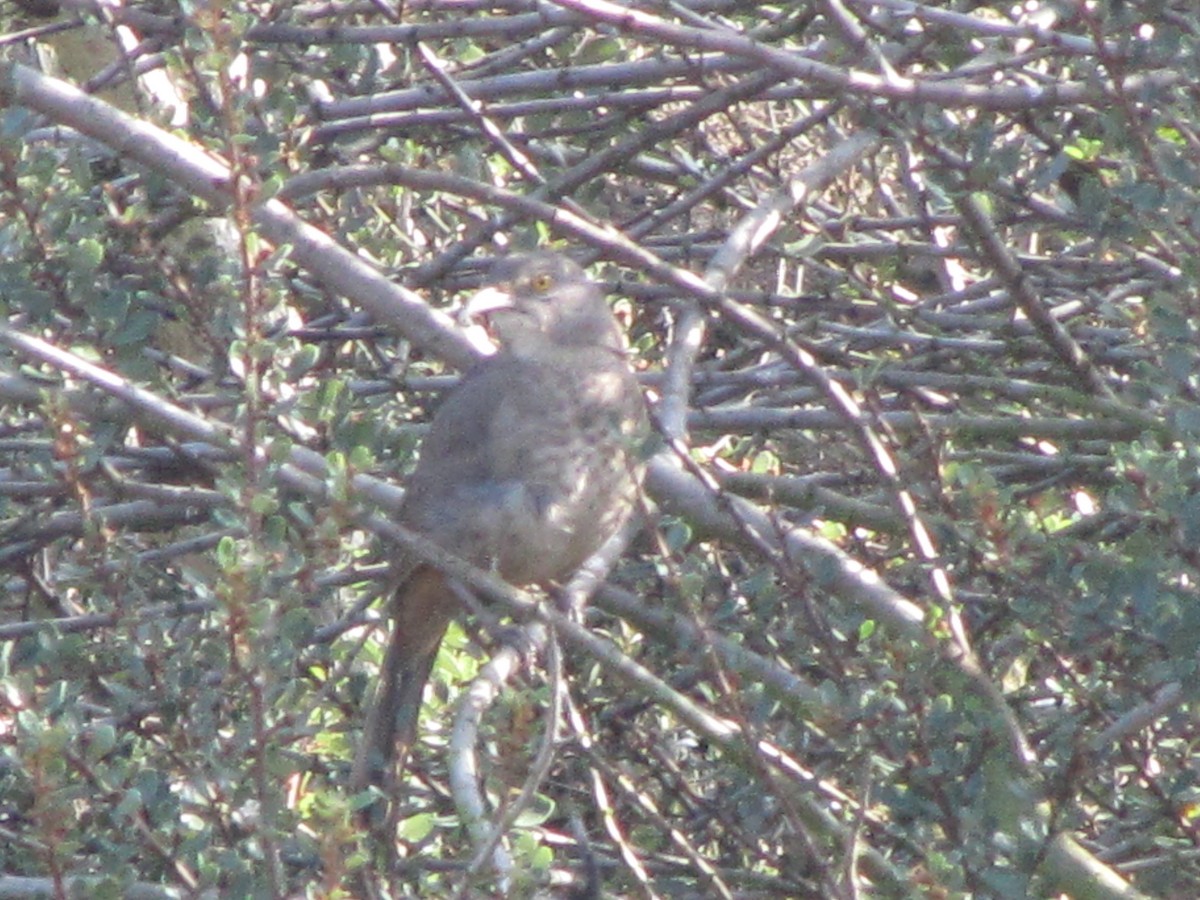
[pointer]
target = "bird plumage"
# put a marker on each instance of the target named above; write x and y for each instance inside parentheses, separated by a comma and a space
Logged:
(530, 465)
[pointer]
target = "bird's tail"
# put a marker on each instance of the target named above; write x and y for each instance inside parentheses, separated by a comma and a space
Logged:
(422, 608)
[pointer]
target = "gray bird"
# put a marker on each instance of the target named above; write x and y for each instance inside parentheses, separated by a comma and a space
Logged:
(530, 465)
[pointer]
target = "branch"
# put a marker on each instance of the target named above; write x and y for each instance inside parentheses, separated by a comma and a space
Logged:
(208, 178)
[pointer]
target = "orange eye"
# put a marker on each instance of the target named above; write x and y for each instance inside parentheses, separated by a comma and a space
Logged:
(541, 281)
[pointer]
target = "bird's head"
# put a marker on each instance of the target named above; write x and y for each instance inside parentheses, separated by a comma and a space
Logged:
(543, 298)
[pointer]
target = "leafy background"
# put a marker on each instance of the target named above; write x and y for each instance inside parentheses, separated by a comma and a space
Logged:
(913, 291)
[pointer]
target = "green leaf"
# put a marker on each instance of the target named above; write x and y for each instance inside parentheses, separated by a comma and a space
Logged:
(87, 254)
(227, 553)
(418, 827)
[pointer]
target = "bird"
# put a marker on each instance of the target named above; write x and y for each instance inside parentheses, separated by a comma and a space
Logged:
(530, 465)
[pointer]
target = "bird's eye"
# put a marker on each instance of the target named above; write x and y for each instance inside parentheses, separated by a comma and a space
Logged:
(541, 281)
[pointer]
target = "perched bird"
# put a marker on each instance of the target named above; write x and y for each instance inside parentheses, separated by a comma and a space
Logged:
(530, 465)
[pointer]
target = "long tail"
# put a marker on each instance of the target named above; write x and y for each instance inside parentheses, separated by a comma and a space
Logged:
(422, 607)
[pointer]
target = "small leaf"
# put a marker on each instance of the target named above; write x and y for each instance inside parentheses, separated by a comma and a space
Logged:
(227, 553)
(417, 828)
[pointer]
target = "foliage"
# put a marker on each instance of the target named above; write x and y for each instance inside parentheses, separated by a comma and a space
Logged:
(918, 613)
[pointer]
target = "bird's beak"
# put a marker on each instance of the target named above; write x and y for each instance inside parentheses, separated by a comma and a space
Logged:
(473, 316)
(485, 301)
